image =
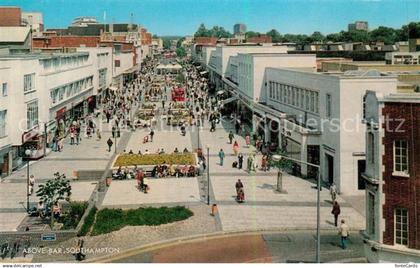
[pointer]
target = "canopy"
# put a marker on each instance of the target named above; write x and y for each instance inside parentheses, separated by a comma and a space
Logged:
(203, 73)
(220, 92)
(229, 99)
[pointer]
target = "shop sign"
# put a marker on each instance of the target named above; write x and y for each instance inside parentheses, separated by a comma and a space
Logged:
(27, 136)
(60, 113)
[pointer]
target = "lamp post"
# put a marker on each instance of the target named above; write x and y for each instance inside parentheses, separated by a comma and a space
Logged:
(318, 203)
(208, 175)
(279, 187)
(28, 153)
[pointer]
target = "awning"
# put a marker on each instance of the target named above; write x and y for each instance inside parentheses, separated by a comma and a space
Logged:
(220, 92)
(203, 73)
(132, 69)
(229, 100)
(113, 88)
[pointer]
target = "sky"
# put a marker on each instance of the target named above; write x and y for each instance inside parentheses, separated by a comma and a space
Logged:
(182, 17)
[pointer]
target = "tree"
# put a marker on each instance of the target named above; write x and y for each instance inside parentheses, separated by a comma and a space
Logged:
(54, 190)
(384, 34)
(250, 34)
(275, 36)
(180, 52)
(180, 78)
(316, 37)
(166, 43)
(202, 31)
(179, 42)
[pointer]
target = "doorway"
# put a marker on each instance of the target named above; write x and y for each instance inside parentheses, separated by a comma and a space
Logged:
(329, 161)
(361, 167)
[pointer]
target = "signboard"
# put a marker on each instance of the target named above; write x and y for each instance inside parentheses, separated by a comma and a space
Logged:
(48, 237)
(29, 135)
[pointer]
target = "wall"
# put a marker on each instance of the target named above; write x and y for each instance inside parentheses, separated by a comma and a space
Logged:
(10, 16)
(402, 191)
(352, 136)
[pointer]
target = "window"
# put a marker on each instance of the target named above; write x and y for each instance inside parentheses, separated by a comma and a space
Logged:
(302, 98)
(32, 114)
(28, 82)
(3, 123)
(316, 103)
(312, 101)
(298, 97)
(307, 100)
(401, 226)
(401, 156)
(4, 90)
(371, 148)
(117, 63)
(270, 94)
(328, 107)
(293, 95)
(371, 215)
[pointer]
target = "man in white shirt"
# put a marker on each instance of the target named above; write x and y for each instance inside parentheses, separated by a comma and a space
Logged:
(344, 233)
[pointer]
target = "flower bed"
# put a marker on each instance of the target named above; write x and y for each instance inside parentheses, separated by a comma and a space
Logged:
(148, 106)
(145, 115)
(179, 105)
(154, 159)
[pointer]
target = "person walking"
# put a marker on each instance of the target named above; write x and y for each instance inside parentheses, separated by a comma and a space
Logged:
(221, 156)
(31, 184)
(152, 133)
(336, 211)
(240, 160)
(235, 148)
(333, 192)
(72, 136)
(343, 231)
(237, 126)
(110, 143)
(238, 185)
(231, 136)
(247, 140)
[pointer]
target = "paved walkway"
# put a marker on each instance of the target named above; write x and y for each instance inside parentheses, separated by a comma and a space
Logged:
(91, 154)
(264, 208)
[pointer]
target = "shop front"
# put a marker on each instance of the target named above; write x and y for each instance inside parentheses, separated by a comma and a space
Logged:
(34, 141)
(5, 161)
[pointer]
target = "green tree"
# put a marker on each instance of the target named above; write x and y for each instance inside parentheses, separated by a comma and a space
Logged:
(202, 31)
(275, 36)
(166, 43)
(180, 52)
(54, 190)
(179, 42)
(384, 34)
(250, 34)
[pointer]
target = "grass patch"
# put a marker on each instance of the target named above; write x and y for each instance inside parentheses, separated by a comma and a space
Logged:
(109, 220)
(155, 159)
(71, 219)
(90, 218)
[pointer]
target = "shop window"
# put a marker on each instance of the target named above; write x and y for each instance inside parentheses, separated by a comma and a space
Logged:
(3, 116)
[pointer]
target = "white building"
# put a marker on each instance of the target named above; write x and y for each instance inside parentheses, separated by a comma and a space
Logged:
(5, 104)
(35, 21)
(322, 120)
(43, 94)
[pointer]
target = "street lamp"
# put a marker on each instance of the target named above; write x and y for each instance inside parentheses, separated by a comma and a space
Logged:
(318, 203)
(208, 175)
(279, 188)
(28, 153)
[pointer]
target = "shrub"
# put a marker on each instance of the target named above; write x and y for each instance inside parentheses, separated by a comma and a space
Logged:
(109, 220)
(71, 219)
(89, 220)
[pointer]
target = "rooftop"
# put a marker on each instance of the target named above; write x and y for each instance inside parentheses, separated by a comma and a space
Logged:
(42, 56)
(13, 34)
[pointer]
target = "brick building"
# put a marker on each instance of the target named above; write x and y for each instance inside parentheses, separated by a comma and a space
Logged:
(263, 38)
(392, 177)
(54, 41)
(10, 16)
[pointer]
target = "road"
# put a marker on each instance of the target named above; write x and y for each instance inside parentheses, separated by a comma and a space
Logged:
(291, 246)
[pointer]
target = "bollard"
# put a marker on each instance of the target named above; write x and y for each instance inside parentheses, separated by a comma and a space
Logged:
(214, 210)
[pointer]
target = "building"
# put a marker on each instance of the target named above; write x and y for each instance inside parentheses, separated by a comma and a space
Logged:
(5, 139)
(260, 39)
(408, 74)
(358, 25)
(403, 58)
(10, 17)
(220, 57)
(84, 21)
(55, 89)
(392, 177)
(239, 28)
(414, 44)
(35, 21)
